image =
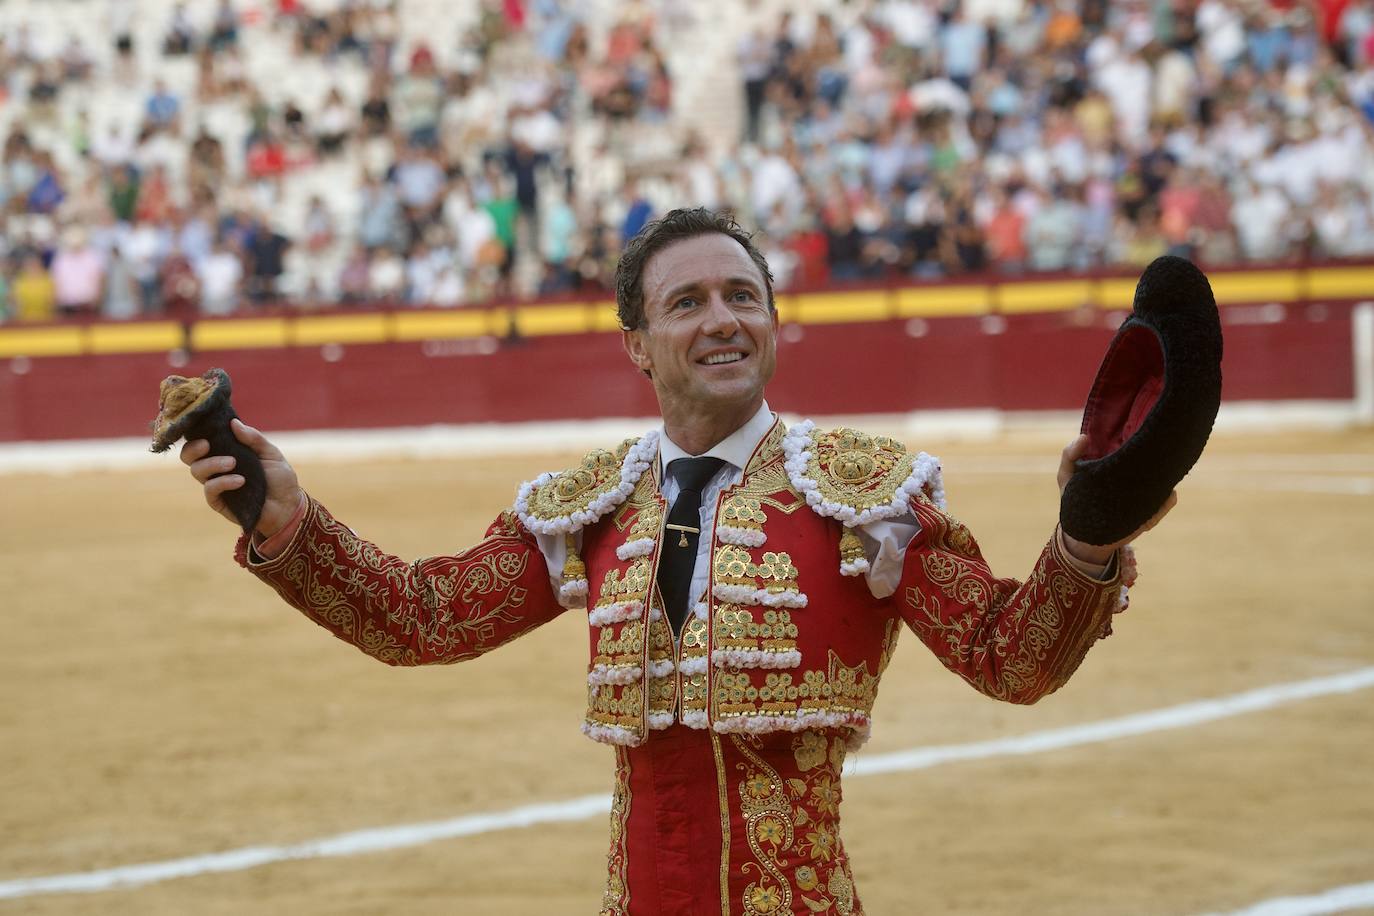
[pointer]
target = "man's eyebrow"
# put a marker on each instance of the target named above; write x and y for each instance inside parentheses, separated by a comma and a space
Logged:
(693, 286)
(689, 287)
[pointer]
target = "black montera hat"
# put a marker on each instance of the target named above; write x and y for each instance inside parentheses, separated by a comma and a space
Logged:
(199, 408)
(1151, 407)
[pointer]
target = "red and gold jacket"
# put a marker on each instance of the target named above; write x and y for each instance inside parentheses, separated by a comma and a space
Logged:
(775, 674)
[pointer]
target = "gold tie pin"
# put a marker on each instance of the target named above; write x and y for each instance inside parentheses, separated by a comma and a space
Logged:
(683, 529)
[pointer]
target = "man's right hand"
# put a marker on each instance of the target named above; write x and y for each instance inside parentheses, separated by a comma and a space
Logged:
(284, 492)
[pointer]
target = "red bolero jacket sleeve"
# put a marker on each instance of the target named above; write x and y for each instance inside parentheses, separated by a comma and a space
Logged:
(436, 610)
(1014, 641)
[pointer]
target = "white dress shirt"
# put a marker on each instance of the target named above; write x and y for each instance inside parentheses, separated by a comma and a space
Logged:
(884, 542)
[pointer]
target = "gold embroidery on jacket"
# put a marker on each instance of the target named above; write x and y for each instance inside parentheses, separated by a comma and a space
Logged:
(890, 634)
(694, 691)
(793, 827)
(766, 481)
(839, 688)
(733, 566)
(767, 823)
(858, 470)
(616, 900)
(452, 611)
(737, 627)
(616, 704)
(630, 585)
(978, 642)
(620, 644)
(574, 490)
(769, 453)
(724, 802)
(740, 511)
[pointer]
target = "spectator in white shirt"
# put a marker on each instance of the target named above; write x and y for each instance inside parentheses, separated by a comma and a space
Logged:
(221, 280)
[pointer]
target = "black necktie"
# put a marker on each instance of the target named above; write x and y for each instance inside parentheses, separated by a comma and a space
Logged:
(678, 554)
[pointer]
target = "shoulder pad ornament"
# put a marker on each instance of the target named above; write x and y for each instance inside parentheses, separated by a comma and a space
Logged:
(856, 478)
(568, 501)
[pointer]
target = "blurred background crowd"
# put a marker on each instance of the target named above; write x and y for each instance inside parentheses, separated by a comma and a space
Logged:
(220, 156)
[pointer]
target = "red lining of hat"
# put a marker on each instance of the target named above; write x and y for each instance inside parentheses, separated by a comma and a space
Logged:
(1127, 388)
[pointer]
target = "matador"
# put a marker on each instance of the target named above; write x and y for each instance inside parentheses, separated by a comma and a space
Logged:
(744, 582)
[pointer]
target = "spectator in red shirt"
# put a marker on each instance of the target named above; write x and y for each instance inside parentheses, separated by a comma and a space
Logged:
(1005, 234)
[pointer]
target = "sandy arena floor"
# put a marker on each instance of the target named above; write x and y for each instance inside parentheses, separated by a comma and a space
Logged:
(160, 703)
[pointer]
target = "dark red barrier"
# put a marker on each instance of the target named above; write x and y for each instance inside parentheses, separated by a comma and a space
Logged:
(1020, 362)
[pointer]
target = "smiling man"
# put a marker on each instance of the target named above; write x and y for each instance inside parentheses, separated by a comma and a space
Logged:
(744, 584)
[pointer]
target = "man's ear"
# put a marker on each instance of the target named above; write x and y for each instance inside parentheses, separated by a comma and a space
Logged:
(639, 353)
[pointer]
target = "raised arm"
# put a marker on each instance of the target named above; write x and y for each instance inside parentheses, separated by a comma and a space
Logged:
(436, 610)
(1012, 640)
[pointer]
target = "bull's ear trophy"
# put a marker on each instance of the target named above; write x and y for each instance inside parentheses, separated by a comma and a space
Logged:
(199, 408)
(1151, 407)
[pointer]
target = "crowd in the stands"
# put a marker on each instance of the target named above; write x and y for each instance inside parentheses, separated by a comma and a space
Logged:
(871, 142)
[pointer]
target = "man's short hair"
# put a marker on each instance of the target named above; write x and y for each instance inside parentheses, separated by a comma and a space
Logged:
(674, 226)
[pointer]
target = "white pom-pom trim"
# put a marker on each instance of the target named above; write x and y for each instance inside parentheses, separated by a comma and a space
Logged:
(925, 473)
(615, 613)
(854, 568)
(610, 734)
(655, 613)
(638, 459)
(755, 658)
(661, 668)
(614, 674)
(701, 610)
(573, 593)
(744, 594)
(658, 721)
(858, 736)
(740, 537)
(639, 547)
(694, 665)
(1123, 599)
(694, 718)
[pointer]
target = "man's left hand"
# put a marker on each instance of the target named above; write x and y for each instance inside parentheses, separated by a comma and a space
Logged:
(1094, 553)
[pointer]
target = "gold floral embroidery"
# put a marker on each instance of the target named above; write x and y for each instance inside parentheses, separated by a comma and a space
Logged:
(838, 750)
(762, 801)
(435, 610)
(574, 489)
(842, 889)
(826, 796)
(793, 827)
(769, 453)
(1008, 639)
(616, 900)
(809, 749)
(857, 470)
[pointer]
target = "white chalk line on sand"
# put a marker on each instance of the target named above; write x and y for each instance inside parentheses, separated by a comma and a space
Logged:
(402, 836)
(1336, 900)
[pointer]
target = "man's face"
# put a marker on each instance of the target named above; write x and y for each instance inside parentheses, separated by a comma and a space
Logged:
(709, 339)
